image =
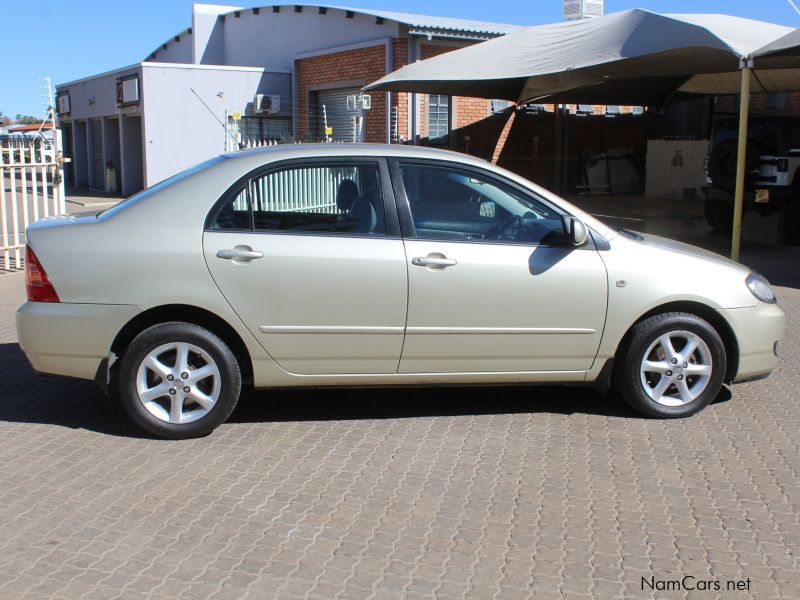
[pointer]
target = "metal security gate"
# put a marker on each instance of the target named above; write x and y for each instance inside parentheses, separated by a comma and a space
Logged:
(98, 166)
(31, 188)
(345, 127)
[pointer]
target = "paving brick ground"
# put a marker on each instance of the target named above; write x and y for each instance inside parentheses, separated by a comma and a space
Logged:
(491, 493)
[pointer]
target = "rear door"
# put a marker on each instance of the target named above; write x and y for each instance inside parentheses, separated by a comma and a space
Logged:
(309, 256)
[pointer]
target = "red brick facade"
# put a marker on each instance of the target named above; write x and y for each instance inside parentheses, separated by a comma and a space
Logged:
(524, 143)
(466, 110)
(517, 140)
(400, 99)
(363, 65)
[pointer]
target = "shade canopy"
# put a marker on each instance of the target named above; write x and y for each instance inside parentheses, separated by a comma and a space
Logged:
(629, 57)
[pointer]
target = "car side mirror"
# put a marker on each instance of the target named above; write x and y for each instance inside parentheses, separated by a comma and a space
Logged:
(577, 232)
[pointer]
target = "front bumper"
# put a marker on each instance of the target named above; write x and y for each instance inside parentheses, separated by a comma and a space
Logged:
(70, 339)
(757, 330)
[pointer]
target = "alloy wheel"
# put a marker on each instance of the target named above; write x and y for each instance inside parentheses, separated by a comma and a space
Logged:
(676, 368)
(178, 383)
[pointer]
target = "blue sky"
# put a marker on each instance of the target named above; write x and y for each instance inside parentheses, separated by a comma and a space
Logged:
(67, 40)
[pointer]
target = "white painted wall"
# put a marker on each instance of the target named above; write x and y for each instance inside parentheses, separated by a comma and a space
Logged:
(208, 34)
(673, 166)
(180, 51)
(101, 90)
(272, 40)
(179, 131)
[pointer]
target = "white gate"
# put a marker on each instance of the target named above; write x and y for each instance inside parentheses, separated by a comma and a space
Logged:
(31, 188)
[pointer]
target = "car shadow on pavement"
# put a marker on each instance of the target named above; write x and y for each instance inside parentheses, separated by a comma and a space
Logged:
(441, 401)
(27, 397)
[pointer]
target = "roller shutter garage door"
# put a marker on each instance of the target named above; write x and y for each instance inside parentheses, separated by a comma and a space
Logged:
(98, 166)
(341, 119)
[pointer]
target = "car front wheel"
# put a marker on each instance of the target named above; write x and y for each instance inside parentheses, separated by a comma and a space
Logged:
(672, 366)
(178, 380)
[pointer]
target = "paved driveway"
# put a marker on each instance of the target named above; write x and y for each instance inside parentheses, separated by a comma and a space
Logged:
(497, 492)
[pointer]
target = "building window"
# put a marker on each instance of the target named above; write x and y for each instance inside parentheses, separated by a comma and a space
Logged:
(499, 105)
(128, 90)
(438, 117)
(62, 103)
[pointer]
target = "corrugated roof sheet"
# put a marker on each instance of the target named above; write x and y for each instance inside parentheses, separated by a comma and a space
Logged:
(444, 23)
(424, 23)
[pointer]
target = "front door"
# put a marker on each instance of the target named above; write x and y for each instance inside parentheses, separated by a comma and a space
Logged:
(305, 256)
(493, 287)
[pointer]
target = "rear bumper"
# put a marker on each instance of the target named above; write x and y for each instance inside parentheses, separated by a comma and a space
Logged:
(70, 339)
(758, 329)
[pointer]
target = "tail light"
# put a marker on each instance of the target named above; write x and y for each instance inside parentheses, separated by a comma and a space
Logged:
(37, 283)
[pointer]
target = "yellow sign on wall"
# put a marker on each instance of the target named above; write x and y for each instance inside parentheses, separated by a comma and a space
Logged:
(237, 116)
(329, 131)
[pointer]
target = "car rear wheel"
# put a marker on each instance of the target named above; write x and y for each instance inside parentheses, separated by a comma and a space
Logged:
(672, 366)
(178, 380)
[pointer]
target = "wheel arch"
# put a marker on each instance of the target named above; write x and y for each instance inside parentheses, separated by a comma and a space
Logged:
(186, 314)
(705, 312)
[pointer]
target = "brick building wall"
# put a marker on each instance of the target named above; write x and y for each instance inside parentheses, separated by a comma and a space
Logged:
(400, 99)
(366, 65)
(515, 139)
(363, 65)
(525, 143)
(467, 110)
(777, 103)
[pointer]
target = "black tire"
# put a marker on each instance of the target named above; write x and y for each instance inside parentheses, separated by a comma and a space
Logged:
(628, 377)
(722, 165)
(719, 215)
(229, 385)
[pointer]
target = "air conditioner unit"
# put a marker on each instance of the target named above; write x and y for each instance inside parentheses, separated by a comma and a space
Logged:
(266, 104)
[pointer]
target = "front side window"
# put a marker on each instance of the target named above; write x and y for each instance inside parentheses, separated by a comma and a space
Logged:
(328, 199)
(452, 204)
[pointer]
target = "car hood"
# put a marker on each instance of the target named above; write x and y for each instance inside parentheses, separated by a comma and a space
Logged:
(681, 248)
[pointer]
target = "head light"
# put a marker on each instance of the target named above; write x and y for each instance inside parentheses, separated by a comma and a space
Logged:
(760, 288)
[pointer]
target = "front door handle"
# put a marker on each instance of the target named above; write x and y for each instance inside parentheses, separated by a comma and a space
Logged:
(440, 262)
(239, 253)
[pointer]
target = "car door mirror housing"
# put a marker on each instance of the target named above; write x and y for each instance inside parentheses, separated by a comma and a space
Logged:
(577, 232)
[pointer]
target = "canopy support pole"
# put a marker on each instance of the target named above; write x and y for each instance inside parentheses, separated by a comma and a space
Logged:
(738, 203)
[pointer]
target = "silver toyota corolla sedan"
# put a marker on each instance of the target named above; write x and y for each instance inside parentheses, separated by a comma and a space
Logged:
(349, 265)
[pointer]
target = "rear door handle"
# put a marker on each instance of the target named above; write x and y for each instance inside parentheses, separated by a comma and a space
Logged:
(433, 261)
(243, 254)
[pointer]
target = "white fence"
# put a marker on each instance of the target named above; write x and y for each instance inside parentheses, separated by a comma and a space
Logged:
(31, 188)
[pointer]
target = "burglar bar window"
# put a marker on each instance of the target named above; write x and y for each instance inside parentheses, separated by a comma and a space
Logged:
(438, 117)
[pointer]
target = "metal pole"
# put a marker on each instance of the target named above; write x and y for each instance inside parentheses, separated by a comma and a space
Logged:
(738, 204)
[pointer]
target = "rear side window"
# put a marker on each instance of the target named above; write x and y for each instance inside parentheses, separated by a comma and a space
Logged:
(337, 198)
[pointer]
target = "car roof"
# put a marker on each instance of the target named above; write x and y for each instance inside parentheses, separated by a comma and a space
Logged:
(273, 153)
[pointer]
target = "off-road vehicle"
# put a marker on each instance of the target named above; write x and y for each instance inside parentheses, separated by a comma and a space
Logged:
(772, 169)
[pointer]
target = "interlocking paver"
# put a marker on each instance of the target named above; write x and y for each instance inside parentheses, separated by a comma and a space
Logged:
(485, 493)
